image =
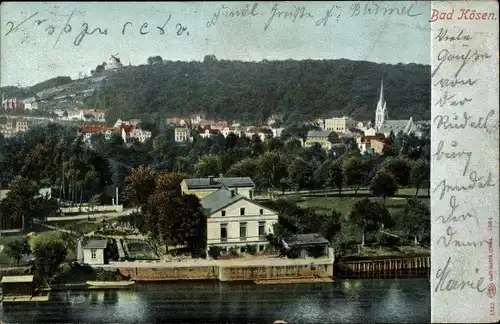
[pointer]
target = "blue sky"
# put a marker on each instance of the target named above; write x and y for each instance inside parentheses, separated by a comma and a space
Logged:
(30, 55)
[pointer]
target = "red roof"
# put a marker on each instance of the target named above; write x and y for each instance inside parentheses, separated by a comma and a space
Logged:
(94, 129)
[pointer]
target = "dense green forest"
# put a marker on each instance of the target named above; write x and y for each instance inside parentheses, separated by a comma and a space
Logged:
(252, 91)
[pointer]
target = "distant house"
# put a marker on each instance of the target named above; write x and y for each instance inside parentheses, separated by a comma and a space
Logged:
(220, 125)
(88, 130)
(97, 114)
(196, 119)
(369, 144)
(339, 124)
(178, 122)
(263, 132)
(94, 252)
(321, 137)
(202, 187)
(207, 133)
(139, 134)
(12, 103)
(377, 145)
(182, 134)
(12, 127)
(235, 221)
(31, 103)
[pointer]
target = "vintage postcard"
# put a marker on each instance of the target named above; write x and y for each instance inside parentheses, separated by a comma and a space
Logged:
(253, 162)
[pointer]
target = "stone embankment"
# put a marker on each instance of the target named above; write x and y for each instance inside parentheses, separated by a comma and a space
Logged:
(226, 270)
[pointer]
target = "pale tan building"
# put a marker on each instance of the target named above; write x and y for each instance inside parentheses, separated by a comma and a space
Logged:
(377, 145)
(340, 124)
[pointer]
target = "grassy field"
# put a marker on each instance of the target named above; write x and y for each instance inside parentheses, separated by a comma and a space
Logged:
(85, 226)
(344, 202)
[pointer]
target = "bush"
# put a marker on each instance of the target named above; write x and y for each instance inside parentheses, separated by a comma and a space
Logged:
(214, 252)
(110, 276)
(389, 240)
(293, 253)
(233, 251)
(115, 232)
(251, 248)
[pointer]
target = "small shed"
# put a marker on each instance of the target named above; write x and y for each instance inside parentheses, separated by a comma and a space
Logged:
(18, 286)
(306, 245)
(94, 252)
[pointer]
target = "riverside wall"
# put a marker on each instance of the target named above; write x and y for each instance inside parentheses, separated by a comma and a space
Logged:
(230, 272)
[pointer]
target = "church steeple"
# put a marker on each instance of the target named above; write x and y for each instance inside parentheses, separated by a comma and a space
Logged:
(381, 97)
(381, 112)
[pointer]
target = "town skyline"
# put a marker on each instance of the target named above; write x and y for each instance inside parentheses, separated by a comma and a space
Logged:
(253, 38)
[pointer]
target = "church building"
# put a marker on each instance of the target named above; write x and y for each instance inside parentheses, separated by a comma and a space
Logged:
(385, 125)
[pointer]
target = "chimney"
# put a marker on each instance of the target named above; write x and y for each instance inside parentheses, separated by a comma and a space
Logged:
(232, 193)
(221, 175)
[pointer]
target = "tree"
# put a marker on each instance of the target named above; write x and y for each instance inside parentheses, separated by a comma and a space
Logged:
(20, 204)
(257, 148)
(416, 220)
(17, 248)
(321, 175)
(336, 176)
(155, 60)
(352, 168)
(245, 168)
(368, 216)
(383, 185)
(300, 173)
(271, 168)
(50, 251)
(170, 182)
(400, 168)
(176, 220)
(420, 174)
(94, 201)
(139, 185)
(274, 144)
(390, 146)
(208, 165)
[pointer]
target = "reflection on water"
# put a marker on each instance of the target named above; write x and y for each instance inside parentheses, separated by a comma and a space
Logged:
(345, 301)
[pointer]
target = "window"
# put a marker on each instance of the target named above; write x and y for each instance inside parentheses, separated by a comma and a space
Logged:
(223, 233)
(251, 194)
(223, 213)
(242, 211)
(93, 253)
(262, 230)
(261, 211)
(243, 231)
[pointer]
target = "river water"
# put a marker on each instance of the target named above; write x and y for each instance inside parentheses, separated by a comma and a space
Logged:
(344, 301)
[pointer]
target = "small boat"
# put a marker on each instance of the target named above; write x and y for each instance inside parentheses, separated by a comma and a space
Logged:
(280, 322)
(110, 284)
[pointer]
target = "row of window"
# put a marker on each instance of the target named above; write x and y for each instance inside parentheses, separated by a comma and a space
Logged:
(242, 212)
(243, 231)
